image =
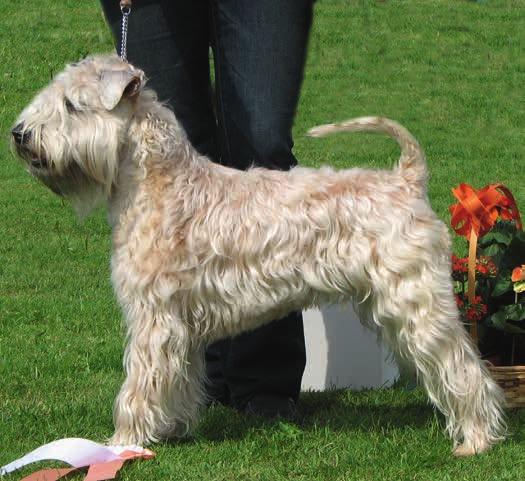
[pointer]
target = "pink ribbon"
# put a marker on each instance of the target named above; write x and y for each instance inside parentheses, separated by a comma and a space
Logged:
(102, 462)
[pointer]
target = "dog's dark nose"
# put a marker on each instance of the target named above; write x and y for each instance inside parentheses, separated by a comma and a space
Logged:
(19, 134)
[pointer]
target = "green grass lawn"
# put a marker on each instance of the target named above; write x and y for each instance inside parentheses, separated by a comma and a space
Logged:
(452, 71)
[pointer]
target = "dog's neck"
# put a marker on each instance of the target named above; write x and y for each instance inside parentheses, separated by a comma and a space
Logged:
(156, 142)
(154, 131)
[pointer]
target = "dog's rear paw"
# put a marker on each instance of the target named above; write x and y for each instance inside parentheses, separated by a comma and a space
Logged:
(468, 449)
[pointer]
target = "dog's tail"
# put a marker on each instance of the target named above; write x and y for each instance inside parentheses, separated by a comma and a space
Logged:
(412, 164)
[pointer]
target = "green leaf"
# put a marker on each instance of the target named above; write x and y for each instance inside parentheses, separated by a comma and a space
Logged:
(503, 285)
(515, 253)
(500, 320)
(520, 235)
(515, 312)
(493, 250)
(497, 236)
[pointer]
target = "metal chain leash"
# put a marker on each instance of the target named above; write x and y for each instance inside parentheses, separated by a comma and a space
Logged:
(125, 8)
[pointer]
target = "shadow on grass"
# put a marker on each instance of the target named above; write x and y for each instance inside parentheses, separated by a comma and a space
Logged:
(365, 411)
(374, 411)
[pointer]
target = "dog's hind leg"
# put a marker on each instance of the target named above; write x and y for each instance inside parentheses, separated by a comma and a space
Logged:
(421, 322)
(163, 389)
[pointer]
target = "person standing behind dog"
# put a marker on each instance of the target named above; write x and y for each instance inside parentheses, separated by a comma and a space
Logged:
(259, 49)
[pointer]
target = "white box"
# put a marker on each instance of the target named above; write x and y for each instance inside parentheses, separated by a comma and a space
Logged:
(342, 353)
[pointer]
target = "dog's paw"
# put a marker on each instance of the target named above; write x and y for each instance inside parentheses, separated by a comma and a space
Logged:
(468, 449)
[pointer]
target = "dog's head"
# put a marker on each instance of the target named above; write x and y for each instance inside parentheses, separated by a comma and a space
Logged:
(71, 134)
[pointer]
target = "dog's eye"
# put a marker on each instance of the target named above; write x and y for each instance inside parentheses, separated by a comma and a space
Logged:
(70, 107)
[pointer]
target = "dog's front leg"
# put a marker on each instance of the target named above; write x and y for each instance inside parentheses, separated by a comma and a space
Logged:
(163, 391)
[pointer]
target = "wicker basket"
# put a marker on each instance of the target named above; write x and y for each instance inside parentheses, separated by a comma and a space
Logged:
(512, 381)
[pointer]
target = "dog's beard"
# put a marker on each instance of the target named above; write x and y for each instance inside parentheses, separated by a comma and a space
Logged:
(69, 182)
(66, 184)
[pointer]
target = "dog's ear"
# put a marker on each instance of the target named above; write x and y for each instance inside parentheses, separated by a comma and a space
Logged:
(116, 84)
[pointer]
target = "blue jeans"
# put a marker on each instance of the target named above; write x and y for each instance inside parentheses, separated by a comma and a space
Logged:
(259, 49)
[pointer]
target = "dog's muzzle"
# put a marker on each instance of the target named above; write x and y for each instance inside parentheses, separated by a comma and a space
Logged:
(20, 135)
(21, 138)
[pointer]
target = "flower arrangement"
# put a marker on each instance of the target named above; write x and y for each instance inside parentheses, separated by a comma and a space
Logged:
(490, 281)
(498, 307)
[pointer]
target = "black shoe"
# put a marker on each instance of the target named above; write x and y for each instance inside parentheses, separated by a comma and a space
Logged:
(271, 406)
(217, 396)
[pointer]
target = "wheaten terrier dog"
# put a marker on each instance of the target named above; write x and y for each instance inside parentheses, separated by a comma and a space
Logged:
(201, 251)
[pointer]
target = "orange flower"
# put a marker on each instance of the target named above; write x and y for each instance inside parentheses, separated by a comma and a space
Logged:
(518, 274)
